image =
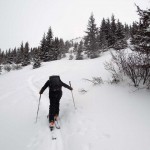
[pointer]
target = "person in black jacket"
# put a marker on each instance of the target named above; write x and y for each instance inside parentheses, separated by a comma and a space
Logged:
(55, 93)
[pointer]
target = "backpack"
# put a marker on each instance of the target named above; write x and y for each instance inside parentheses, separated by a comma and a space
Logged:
(55, 83)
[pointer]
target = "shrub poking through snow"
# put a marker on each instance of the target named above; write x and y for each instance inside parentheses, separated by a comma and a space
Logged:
(7, 68)
(134, 65)
(82, 91)
(116, 74)
(95, 80)
(16, 66)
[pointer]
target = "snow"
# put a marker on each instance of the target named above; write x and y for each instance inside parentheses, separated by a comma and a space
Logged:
(108, 117)
(77, 40)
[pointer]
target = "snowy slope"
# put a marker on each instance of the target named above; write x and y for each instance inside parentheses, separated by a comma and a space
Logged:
(108, 117)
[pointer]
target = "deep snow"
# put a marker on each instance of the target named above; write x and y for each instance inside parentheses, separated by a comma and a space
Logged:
(108, 117)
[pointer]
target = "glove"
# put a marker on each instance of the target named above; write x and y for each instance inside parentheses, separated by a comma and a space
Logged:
(40, 92)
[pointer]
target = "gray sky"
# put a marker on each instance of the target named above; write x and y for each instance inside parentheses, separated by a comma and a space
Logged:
(27, 20)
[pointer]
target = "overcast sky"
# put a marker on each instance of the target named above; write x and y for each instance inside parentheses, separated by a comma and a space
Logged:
(27, 20)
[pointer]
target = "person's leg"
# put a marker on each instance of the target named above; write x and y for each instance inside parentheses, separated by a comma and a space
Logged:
(52, 108)
(57, 104)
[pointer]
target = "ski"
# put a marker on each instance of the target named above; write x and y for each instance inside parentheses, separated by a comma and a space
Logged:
(57, 125)
(52, 130)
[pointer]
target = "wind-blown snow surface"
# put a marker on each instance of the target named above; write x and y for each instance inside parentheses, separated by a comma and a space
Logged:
(108, 117)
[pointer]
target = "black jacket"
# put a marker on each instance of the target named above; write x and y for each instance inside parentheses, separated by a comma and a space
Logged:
(47, 84)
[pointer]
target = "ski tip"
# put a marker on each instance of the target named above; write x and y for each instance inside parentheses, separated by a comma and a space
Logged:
(57, 127)
(51, 128)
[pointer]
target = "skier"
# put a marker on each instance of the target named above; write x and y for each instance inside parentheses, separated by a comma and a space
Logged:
(55, 93)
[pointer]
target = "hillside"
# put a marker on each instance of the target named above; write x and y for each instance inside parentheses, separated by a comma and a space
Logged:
(108, 117)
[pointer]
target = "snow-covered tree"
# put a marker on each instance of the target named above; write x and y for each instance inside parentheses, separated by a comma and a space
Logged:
(36, 58)
(133, 31)
(75, 47)
(26, 58)
(1, 57)
(142, 36)
(49, 46)
(62, 48)
(103, 43)
(9, 57)
(0, 61)
(79, 51)
(56, 49)
(14, 54)
(120, 33)
(19, 56)
(121, 42)
(91, 39)
(113, 28)
(127, 31)
(43, 48)
(136, 65)
(68, 44)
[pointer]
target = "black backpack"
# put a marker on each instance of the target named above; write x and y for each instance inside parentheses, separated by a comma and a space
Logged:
(55, 83)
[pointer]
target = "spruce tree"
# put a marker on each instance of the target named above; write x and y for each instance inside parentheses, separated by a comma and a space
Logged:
(103, 43)
(121, 42)
(75, 47)
(68, 44)
(43, 48)
(26, 58)
(0, 57)
(133, 31)
(79, 51)
(19, 56)
(91, 39)
(9, 57)
(36, 58)
(112, 38)
(127, 31)
(56, 49)
(14, 54)
(108, 32)
(120, 34)
(4, 57)
(62, 48)
(141, 38)
(49, 46)
(0, 61)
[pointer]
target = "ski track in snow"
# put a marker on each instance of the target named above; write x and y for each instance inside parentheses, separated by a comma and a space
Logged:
(73, 132)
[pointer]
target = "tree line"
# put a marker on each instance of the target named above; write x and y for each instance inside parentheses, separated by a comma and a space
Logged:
(51, 48)
(110, 34)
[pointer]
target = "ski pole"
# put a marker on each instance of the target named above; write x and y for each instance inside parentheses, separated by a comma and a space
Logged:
(72, 96)
(38, 108)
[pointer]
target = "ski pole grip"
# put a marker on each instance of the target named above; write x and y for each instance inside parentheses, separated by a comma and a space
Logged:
(70, 83)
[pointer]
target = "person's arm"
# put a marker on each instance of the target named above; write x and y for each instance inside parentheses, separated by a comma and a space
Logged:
(66, 86)
(44, 87)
